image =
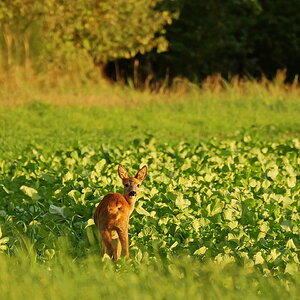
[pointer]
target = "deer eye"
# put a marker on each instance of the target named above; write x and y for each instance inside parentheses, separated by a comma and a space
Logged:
(138, 185)
(126, 185)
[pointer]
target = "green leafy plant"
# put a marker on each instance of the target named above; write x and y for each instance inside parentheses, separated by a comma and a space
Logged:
(229, 200)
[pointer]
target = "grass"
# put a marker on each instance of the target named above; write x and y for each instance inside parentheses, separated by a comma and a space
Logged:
(91, 115)
(152, 279)
(50, 117)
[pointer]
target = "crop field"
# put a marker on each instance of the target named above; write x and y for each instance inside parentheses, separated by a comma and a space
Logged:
(218, 216)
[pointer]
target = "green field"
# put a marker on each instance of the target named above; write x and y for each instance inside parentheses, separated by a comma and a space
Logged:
(218, 216)
(106, 115)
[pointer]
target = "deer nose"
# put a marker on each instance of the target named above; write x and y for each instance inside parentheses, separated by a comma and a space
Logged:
(132, 193)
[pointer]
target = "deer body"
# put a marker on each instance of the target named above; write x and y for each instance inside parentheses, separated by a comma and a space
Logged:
(112, 215)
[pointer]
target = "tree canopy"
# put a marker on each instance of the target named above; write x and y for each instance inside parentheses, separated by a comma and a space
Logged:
(186, 38)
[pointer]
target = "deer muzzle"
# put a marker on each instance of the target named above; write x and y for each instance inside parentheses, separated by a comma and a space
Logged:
(132, 194)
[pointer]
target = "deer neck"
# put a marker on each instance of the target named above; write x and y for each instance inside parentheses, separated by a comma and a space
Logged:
(131, 201)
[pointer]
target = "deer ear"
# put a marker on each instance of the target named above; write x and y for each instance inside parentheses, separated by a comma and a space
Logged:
(122, 172)
(142, 173)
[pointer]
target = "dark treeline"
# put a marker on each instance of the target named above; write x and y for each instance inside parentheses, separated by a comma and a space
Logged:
(153, 41)
(232, 37)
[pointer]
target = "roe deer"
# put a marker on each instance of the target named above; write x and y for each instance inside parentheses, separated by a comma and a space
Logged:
(112, 214)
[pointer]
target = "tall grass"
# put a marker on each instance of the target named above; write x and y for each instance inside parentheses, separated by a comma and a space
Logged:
(95, 112)
(22, 277)
(23, 85)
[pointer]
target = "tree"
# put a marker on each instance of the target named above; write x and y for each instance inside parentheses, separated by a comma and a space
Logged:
(106, 30)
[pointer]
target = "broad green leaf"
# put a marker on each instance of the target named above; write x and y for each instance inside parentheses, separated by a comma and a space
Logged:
(291, 181)
(182, 203)
(30, 192)
(209, 177)
(273, 173)
(252, 183)
(76, 195)
(286, 201)
(290, 244)
(291, 171)
(227, 214)
(233, 224)
(99, 165)
(264, 227)
(201, 251)
(266, 183)
(172, 196)
(258, 259)
(140, 210)
(57, 210)
(68, 176)
(90, 222)
(196, 224)
(215, 208)
(273, 255)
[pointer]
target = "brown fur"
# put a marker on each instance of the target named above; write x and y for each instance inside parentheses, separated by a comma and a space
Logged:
(112, 215)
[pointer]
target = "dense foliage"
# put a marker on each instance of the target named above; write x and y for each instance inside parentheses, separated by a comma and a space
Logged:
(225, 200)
(233, 37)
(58, 31)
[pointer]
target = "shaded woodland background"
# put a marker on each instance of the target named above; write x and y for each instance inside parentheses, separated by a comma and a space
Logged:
(146, 42)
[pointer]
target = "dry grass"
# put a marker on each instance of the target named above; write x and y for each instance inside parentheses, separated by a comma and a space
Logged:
(22, 86)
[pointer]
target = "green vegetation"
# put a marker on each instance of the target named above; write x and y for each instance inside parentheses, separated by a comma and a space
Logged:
(218, 217)
(219, 212)
(56, 118)
(58, 35)
(234, 200)
(150, 279)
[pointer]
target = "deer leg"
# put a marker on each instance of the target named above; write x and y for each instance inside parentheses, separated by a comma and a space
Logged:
(123, 236)
(118, 249)
(107, 240)
(101, 244)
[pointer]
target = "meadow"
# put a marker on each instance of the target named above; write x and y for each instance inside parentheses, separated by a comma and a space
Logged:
(218, 216)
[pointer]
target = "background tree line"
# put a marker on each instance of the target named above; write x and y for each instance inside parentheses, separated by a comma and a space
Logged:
(146, 41)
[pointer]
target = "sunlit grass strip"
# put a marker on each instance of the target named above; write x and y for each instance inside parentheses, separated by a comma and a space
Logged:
(21, 86)
(63, 278)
